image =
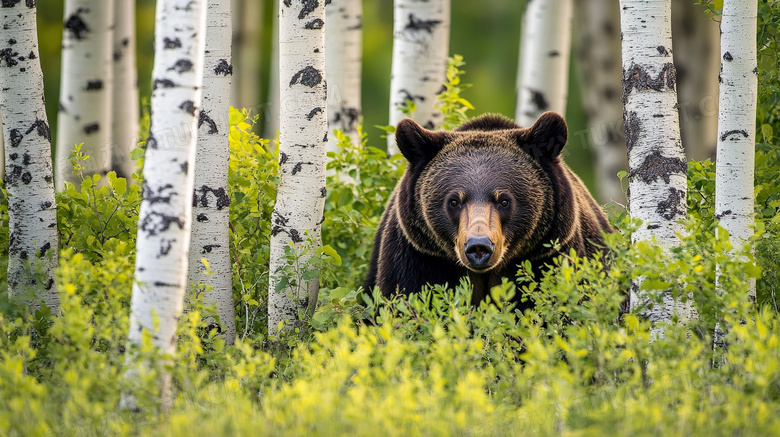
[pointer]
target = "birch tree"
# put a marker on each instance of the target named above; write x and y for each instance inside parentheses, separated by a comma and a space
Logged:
(696, 47)
(343, 62)
(272, 104)
(300, 197)
(597, 32)
(125, 90)
(29, 183)
(85, 87)
(656, 159)
(421, 39)
(734, 190)
(210, 204)
(247, 18)
(165, 216)
(544, 63)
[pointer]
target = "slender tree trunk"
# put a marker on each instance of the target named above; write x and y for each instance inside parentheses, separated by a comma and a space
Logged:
(598, 50)
(125, 90)
(734, 190)
(421, 40)
(343, 61)
(544, 66)
(29, 183)
(696, 40)
(656, 159)
(247, 17)
(300, 198)
(86, 87)
(210, 206)
(164, 221)
(273, 104)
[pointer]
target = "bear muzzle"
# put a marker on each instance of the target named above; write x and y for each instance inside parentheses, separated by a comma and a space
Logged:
(480, 242)
(478, 252)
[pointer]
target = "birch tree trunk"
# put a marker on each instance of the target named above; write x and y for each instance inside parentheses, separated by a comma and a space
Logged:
(696, 41)
(734, 190)
(125, 91)
(300, 197)
(421, 40)
(656, 159)
(598, 51)
(32, 210)
(544, 68)
(210, 205)
(86, 85)
(247, 17)
(343, 62)
(164, 221)
(273, 104)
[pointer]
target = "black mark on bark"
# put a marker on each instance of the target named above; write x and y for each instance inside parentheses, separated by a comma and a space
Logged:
(163, 83)
(41, 128)
(416, 24)
(724, 214)
(282, 158)
(223, 68)
(188, 106)
(26, 159)
(43, 250)
(26, 178)
(151, 142)
(202, 218)
(727, 57)
(633, 128)
(209, 247)
(185, 167)
(76, 26)
(16, 137)
(726, 135)
(298, 167)
(313, 112)
(181, 66)
(538, 99)
(638, 78)
(163, 194)
(91, 128)
(171, 43)
(662, 50)
(156, 222)
(673, 206)
(554, 54)
(204, 118)
(8, 55)
(314, 24)
(308, 7)
(323, 192)
(309, 77)
(13, 156)
(46, 205)
(200, 197)
(165, 246)
(657, 166)
(93, 85)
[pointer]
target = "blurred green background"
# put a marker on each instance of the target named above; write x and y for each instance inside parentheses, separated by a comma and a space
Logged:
(486, 33)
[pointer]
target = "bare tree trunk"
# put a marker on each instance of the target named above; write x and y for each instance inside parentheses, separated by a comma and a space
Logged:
(696, 41)
(29, 183)
(343, 61)
(86, 87)
(247, 17)
(300, 197)
(421, 40)
(210, 206)
(163, 242)
(544, 67)
(272, 104)
(656, 159)
(734, 189)
(125, 91)
(598, 50)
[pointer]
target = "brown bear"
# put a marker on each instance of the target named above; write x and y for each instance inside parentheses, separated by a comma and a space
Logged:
(479, 200)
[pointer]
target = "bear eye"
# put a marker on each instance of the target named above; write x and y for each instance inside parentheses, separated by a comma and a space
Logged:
(454, 203)
(504, 203)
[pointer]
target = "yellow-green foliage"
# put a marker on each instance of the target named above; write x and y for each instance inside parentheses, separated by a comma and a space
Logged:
(430, 364)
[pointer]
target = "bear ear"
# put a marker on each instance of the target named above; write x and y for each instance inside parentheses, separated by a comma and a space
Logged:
(546, 137)
(417, 144)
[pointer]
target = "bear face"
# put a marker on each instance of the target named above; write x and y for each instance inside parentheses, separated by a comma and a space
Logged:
(482, 196)
(477, 201)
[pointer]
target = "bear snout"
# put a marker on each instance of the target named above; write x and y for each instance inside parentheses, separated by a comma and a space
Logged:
(478, 251)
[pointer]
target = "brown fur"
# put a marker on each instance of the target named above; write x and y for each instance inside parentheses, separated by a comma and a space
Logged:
(488, 180)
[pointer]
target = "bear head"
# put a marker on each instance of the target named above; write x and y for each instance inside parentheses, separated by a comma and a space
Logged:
(480, 195)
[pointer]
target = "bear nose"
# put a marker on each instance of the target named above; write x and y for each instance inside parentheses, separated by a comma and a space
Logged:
(478, 250)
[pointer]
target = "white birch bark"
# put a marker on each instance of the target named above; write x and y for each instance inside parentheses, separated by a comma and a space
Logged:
(247, 17)
(734, 190)
(597, 31)
(343, 62)
(300, 197)
(125, 90)
(273, 104)
(421, 40)
(656, 159)
(210, 205)
(86, 85)
(162, 246)
(696, 47)
(544, 67)
(32, 210)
